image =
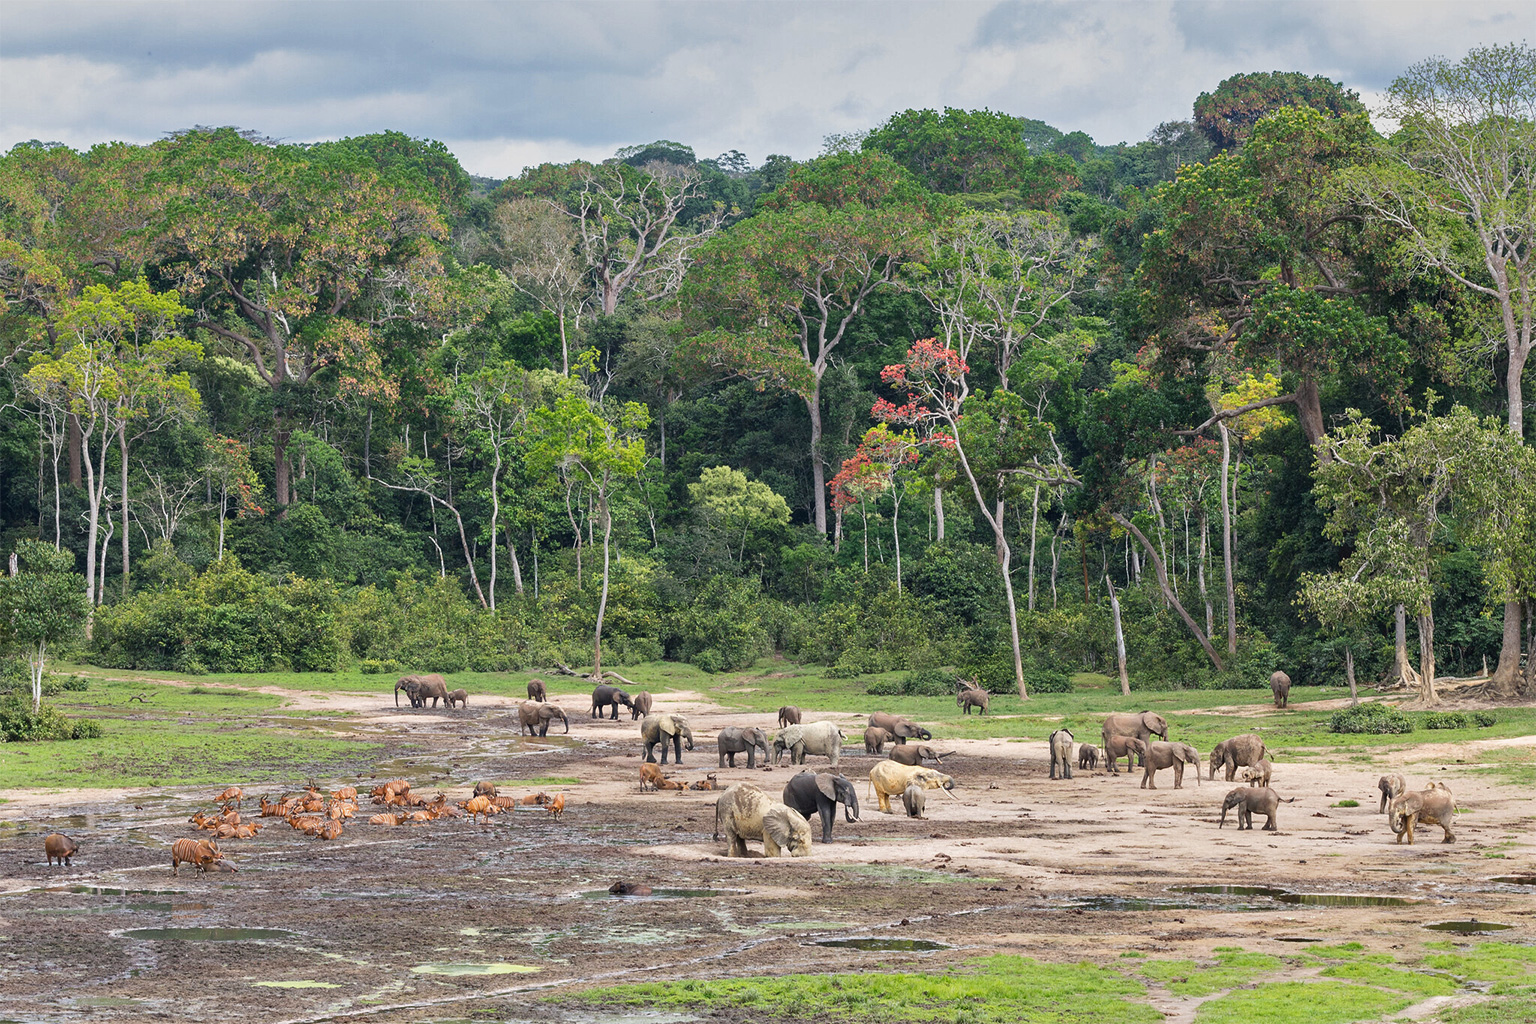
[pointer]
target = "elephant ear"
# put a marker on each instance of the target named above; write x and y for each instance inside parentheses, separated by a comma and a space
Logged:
(828, 785)
(666, 725)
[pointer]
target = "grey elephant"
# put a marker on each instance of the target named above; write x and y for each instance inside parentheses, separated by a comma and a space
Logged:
(1061, 753)
(875, 739)
(459, 697)
(822, 738)
(820, 793)
(664, 729)
(917, 753)
(412, 687)
(901, 728)
(1280, 688)
(789, 715)
(431, 687)
(1170, 755)
(1087, 756)
(1390, 786)
(1128, 747)
(1142, 726)
(735, 740)
(1434, 806)
(914, 800)
(744, 812)
(605, 696)
(640, 706)
(536, 690)
(971, 697)
(535, 718)
(1237, 752)
(1251, 800)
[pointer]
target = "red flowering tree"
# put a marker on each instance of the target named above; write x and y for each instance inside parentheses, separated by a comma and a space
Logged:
(872, 471)
(934, 382)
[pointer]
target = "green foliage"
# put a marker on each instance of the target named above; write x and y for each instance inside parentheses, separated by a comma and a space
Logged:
(1227, 115)
(1372, 718)
(1444, 720)
(928, 682)
(1484, 719)
(19, 723)
(721, 628)
(431, 626)
(1295, 1002)
(375, 666)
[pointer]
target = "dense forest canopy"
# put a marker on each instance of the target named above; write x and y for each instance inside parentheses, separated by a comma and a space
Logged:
(932, 399)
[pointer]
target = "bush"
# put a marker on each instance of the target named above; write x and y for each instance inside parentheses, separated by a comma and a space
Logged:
(1371, 718)
(1444, 720)
(76, 684)
(722, 627)
(885, 688)
(928, 682)
(1484, 719)
(20, 724)
(1047, 679)
(378, 667)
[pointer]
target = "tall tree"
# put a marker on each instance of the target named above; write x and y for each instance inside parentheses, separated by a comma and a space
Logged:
(1228, 114)
(536, 243)
(41, 605)
(1459, 184)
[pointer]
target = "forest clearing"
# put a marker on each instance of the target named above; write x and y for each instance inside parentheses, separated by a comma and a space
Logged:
(1122, 901)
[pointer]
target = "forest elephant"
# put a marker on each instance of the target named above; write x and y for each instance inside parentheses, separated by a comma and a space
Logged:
(605, 696)
(822, 738)
(1141, 726)
(789, 715)
(915, 800)
(412, 687)
(744, 812)
(640, 705)
(917, 753)
(971, 697)
(536, 718)
(820, 793)
(890, 779)
(431, 687)
(735, 740)
(1128, 747)
(1087, 756)
(1251, 800)
(875, 739)
(664, 729)
(1061, 753)
(1237, 752)
(1280, 688)
(459, 697)
(1390, 786)
(1169, 755)
(1258, 774)
(901, 728)
(536, 690)
(1432, 806)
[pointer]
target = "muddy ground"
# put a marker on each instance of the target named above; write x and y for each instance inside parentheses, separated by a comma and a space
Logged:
(442, 921)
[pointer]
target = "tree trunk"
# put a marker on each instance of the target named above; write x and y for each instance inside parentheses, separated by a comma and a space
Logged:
(1173, 599)
(495, 521)
(76, 439)
(818, 471)
(122, 454)
(517, 569)
(1309, 414)
(1505, 680)
(1349, 675)
(896, 533)
(938, 511)
(1205, 596)
(1226, 536)
(281, 468)
(1013, 614)
(1114, 607)
(1082, 552)
(223, 503)
(1034, 524)
(1402, 670)
(602, 602)
(1427, 659)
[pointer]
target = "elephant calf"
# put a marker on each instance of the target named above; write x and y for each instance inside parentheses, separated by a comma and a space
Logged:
(1251, 800)
(1433, 806)
(1280, 689)
(914, 800)
(1128, 747)
(1169, 755)
(1087, 756)
(917, 753)
(1061, 753)
(735, 740)
(875, 739)
(1391, 786)
(459, 697)
(1258, 774)
(973, 698)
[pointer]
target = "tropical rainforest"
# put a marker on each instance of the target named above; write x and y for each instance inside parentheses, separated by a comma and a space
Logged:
(967, 394)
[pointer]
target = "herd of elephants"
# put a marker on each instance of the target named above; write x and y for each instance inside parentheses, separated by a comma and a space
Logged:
(744, 812)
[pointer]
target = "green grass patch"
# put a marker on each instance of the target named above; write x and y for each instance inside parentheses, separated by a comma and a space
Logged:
(991, 990)
(1499, 1010)
(547, 781)
(1191, 978)
(1486, 961)
(1296, 1002)
(1416, 983)
(1346, 803)
(1348, 951)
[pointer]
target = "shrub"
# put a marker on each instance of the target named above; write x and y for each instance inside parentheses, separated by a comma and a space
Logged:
(20, 724)
(1444, 720)
(885, 688)
(722, 627)
(1371, 718)
(1484, 719)
(378, 667)
(928, 682)
(1047, 679)
(76, 684)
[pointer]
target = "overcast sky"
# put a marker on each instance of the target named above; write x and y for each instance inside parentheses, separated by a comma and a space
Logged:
(506, 85)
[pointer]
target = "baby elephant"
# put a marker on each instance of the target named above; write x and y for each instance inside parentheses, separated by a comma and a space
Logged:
(459, 696)
(1391, 786)
(1128, 747)
(1433, 806)
(1169, 755)
(1251, 800)
(1256, 774)
(914, 800)
(916, 753)
(875, 739)
(1087, 756)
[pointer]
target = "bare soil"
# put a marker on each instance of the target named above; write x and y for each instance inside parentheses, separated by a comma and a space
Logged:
(1086, 868)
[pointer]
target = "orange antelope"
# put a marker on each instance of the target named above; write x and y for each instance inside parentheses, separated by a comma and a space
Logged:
(484, 789)
(247, 831)
(384, 819)
(536, 799)
(557, 806)
(650, 773)
(504, 803)
(345, 793)
(418, 818)
(330, 830)
(278, 809)
(201, 853)
(476, 806)
(234, 793)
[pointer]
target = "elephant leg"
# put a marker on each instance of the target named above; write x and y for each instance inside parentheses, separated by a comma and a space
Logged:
(737, 846)
(751, 758)
(1178, 775)
(1450, 837)
(770, 848)
(885, 801)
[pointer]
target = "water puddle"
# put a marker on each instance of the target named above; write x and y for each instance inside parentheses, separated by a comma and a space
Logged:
(460, 970)
(1332, 899)
(1515, 879)
(1467, 927)
(1129, 904)
(1294, 938)
(169, 908)
(206, 934)
(1231, 890)
(878, 945)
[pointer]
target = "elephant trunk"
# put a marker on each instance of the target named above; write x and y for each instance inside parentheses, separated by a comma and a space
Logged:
(1398, 821)
(397, 695)
(851, 805)
(565, 721)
